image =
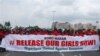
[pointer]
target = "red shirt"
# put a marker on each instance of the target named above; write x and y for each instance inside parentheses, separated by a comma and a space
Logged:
(65, 33)
(21, 33)
(2, 34)
(31, 32)
(55, 32)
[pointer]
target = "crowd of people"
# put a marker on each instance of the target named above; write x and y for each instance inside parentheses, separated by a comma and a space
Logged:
(35, 30)
(39, 31)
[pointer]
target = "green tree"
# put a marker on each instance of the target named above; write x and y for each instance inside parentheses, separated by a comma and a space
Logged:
(1, 26)
(7, 25)
(36, 27)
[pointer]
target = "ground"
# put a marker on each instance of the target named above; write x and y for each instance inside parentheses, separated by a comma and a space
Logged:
(87, 53)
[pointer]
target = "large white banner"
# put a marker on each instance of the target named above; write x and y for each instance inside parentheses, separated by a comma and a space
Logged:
(50, 43)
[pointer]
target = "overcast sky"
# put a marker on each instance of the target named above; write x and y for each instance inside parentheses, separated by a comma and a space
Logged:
(44, 12)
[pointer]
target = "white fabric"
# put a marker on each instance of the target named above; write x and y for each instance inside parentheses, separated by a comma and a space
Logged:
(11, 43)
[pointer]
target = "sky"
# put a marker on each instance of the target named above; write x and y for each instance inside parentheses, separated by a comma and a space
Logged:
(44, 12)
